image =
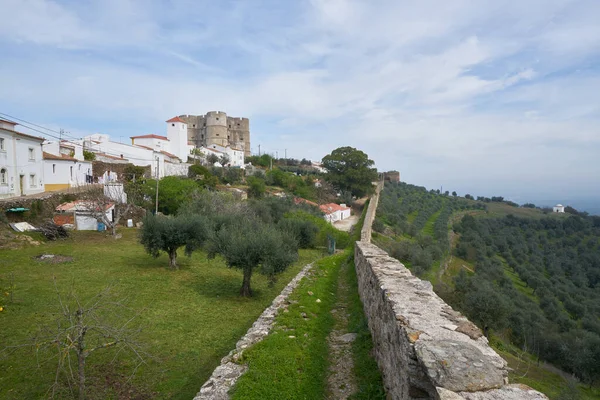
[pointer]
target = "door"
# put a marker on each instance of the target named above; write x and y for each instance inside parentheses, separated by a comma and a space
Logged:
(22, 184)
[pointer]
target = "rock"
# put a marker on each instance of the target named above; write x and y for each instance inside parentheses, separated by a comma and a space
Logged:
(458, 366)
(318, 300)
(445, 394)
(347, 338)
(508, 392)
(469, 329)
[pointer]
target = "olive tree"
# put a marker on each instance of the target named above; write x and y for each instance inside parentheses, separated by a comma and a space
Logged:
(250, 245)
(165, 233)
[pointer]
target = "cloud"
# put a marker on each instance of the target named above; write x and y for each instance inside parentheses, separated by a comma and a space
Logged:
(464, 93)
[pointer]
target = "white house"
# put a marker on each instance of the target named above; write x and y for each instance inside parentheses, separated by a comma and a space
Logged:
(82, 214)
(177, 134)
(64, 165)
(335, 212)
(559, 208)
(235, 156)
(21, 167)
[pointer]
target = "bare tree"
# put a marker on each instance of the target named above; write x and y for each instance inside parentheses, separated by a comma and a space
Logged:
(224, 159)
(80, 329)
(99, 204)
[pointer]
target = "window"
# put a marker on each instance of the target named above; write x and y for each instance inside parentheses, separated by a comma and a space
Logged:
(241, 138)
(3, 177)
(193, 126)
(1, 144)
(172, 124)
(31, 154)
(79, 167)
(53, 168)
(217, 118)
(32, 180)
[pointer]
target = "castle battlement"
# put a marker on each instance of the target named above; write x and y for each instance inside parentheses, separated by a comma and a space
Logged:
(216, 127)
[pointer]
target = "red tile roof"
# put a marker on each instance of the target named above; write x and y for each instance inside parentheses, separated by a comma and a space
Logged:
(332, 207)
(64, 157)
(176, 119)
(299, 200)
(111, 157)
(169, 154)
(145, 147)
(151, 136)
(83, 205)
(7, 121)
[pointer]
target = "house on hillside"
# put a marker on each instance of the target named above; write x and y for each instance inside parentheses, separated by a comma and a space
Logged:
(335, 212)
(64, 165)
(559, 208)
(83, 214)
(21, 167)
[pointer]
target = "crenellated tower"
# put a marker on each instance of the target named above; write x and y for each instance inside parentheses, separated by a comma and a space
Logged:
(217, 128)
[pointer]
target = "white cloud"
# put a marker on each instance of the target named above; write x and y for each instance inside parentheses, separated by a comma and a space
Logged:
(461, 91)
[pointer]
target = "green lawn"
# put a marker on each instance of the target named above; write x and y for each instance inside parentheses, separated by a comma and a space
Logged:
(192, 317)
(429, 225)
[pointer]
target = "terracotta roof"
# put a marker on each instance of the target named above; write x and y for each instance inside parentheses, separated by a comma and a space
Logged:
(151, 136)
(111, 157)
(332, 207)
(169, 154)
(82, 205)
(6, 120)
(62, 157)
(30, 136)
(176, 119)
(145, 147)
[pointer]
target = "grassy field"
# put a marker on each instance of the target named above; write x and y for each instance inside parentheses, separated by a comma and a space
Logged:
(192, 317)
(429, 225)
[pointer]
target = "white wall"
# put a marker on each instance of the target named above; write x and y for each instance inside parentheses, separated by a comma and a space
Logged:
(157, 144)
(180, 169)
(178, 137)
(26, 167)
(66, 172)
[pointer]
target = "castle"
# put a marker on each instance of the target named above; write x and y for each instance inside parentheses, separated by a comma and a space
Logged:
(217, 128)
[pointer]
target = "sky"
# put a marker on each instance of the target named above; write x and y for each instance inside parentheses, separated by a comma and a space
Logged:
(487, 98)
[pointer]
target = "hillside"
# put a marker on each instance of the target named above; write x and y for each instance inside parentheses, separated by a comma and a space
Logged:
(529, 279)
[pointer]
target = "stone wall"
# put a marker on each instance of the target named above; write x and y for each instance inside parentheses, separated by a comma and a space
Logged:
(365, 233)
(425, 349)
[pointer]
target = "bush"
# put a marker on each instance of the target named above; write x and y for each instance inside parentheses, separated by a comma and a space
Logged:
(256, 187)
(304, 231)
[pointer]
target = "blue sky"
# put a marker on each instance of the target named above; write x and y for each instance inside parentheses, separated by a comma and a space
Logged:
(490, 98)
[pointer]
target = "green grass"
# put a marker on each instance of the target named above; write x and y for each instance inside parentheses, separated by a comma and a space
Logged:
(192, 317)
(518, 283)
(525, 370)
(411, 217)
(428, 229)
(368, 378)
(291, 363)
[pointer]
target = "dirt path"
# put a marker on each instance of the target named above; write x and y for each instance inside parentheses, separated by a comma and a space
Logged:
(341, 381)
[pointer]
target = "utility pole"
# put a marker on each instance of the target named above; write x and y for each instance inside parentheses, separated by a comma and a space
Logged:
(60, 134)
(259, 150)
(286, 154)
(276, 154)
(156, 208)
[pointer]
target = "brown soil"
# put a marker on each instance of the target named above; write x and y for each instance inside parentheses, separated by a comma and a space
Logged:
(341, 381)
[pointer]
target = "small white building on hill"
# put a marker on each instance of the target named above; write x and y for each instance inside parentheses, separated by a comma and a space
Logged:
(559, 208)
(335, 212)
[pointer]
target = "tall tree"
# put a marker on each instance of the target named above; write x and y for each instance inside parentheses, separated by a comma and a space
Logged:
(350, 169)
(161, 233)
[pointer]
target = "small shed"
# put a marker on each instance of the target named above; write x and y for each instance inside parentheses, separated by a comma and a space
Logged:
(84, 215)
(559, 208)
(335, 212)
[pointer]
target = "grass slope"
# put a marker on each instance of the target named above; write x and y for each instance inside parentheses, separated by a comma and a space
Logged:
(291, 363)
(192, 317)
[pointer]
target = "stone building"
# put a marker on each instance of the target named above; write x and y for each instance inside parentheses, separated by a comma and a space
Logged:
(217, 128)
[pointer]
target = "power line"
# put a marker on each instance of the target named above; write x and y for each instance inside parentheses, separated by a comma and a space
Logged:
(26, 123)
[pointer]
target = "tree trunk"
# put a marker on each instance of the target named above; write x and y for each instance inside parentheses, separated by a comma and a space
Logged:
(245, 291)
(81, 354)
(173, 258)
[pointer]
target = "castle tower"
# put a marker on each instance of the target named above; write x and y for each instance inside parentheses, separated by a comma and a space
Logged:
(239, 134)
(216, 128)
(178, 137)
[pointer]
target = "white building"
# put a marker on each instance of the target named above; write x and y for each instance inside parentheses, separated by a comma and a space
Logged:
(178, 137)
(335, 212)
(83, 214)
(21, 167)
(235, 156)
(65, 166)
(559, 208)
